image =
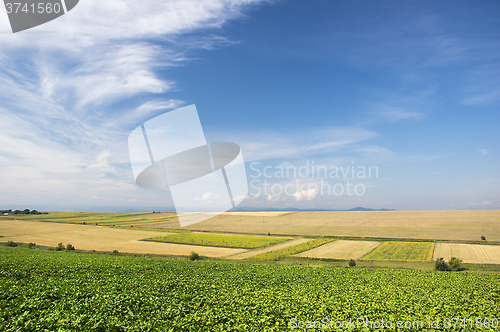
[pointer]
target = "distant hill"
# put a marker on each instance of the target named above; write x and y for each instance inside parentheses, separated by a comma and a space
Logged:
(359, 208)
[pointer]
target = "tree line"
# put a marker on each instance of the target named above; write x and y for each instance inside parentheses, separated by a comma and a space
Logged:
(25, 211)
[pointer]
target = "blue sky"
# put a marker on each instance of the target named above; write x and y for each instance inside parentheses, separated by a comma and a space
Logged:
(412, 88)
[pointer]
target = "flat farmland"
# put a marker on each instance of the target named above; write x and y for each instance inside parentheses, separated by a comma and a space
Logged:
(341, 250)
(91, 237)
(468, 253)
(434, 225)
(219, 240)
(402, 251)
(144, 219)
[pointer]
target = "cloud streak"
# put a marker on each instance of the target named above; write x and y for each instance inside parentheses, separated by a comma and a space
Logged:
(67, 89)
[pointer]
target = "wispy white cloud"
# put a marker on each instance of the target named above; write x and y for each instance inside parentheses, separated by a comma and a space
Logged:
(262, 145)
(394, 114)
(67, 89)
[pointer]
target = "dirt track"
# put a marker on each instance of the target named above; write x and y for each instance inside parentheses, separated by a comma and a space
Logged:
(282, 245)
(341, 250)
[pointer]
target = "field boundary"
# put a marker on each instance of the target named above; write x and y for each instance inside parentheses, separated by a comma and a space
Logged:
(292, 250)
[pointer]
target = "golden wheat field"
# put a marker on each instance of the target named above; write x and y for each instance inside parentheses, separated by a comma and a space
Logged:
(434, 225)
(468, 253)
(99, 238)
(341, 250)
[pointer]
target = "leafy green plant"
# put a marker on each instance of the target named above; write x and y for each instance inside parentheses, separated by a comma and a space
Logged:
(60, 247)
(122, 293)
(11, 244)
(69, 247)
(31, 245)
(115, 252)
(194, 256)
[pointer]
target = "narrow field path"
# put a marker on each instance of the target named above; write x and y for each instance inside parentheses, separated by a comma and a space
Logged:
(254, 252)
(341, 249)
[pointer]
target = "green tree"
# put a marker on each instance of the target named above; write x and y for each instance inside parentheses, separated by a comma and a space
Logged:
(352, 263)
(194, 256)
(454, 263)
(441, 265)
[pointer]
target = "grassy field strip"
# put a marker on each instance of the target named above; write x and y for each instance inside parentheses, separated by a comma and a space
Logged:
(341, 250)
(99, 238)
(92, 218)
(468, 253)
(292, 250)
(275, 247)
(219, 240)
(402, 251)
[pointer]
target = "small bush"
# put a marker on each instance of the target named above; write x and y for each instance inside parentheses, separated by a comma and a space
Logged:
(31, 245)
(60, 247)
(69, 247)
(115, 252)
(11, 244)
(441, 265)
(194, 256)
(454, 263)
(483, 238)
(352, 263)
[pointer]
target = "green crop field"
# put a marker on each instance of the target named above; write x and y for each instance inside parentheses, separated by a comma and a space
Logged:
(63, 291)
(218, 240)
(288, 251)
(402, 251)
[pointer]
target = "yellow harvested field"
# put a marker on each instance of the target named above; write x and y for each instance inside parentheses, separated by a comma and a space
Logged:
(433, 225)
(278, 246)
(468, 253)
(99, 238)
(341, 250)
(257, 214)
